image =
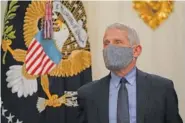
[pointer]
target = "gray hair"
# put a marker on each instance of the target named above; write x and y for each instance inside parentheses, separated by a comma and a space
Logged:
(132, 34)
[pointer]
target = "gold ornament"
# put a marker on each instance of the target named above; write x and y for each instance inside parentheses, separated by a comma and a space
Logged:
(19, 55)
(6, 45)
(34, 12)
(153, 12)
(78, 60)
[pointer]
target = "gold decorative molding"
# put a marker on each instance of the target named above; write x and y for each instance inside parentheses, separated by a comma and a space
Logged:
(153, 12)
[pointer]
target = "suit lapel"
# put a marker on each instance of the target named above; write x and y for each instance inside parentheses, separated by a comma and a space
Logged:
(103, 99)
(142, 90)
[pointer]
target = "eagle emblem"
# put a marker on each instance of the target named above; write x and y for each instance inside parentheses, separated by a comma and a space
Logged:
(64, 54)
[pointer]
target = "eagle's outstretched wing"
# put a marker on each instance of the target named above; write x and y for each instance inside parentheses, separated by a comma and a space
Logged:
(20, 84)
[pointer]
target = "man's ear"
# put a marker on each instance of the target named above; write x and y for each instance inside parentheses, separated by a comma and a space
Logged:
(137, 50)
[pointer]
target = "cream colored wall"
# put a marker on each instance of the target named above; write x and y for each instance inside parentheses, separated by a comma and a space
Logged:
(3, 7)
(163, 49)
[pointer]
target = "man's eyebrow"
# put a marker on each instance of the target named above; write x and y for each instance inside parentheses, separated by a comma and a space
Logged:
(106, 40)
(117, 39)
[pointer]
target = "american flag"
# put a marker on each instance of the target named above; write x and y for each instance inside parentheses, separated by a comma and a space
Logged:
(37, 61)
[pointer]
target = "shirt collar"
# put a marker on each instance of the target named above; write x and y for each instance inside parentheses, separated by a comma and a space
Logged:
(129, 77)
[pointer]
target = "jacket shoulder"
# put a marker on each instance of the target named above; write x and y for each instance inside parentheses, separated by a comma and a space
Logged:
(159, 80)
(91, 87)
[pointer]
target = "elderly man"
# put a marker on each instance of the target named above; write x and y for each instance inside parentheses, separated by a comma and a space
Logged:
(127, 95)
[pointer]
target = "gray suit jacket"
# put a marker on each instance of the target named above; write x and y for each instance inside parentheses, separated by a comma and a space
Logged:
(156, 100)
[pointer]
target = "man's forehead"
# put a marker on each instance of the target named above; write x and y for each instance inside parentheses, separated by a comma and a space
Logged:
(115, 32)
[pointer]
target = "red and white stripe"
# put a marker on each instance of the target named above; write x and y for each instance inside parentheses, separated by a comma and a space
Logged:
(48, 24)
(37, 61)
